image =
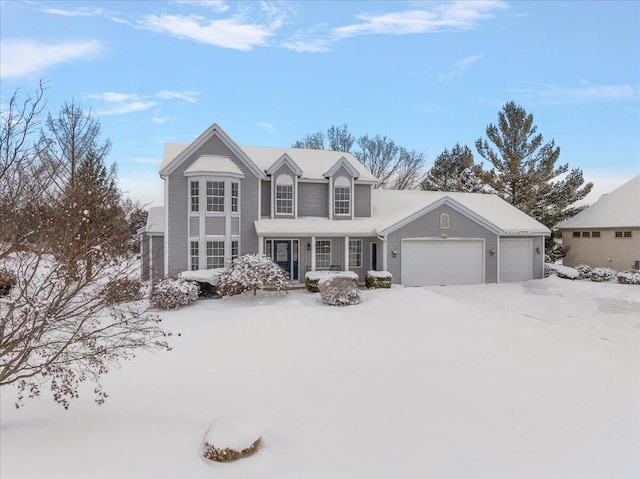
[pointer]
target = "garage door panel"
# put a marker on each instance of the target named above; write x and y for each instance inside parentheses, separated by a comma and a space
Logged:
(516, 259)
(435, 262)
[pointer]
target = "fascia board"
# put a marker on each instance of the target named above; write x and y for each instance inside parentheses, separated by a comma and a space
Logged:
(340, 163)
(285, 159)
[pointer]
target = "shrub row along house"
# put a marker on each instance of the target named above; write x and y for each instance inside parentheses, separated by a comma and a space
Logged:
(315, 210)
(607, 233)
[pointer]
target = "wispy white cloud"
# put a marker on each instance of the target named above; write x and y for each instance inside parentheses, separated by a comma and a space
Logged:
(113, 103)
(435, 17)
(215, 5)
(314, 45)
(75, 12)
(234, 33)
(267, 126)
(585, 92)
(20, 58)
(460, 68)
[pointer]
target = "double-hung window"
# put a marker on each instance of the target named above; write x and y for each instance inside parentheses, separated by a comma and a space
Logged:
(215, 254)
(235, 196)
(284, 195)
(323, 254)
(342, 196)
(194, 251)
(355, 253)
(194, 194)
(215, 196)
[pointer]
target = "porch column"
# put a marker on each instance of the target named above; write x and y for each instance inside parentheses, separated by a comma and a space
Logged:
(260, 244)
(313, 253)
(384, 254)
(346, 254)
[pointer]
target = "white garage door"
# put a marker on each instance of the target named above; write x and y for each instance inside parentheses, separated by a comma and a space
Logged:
(434, 262)
(516, 259)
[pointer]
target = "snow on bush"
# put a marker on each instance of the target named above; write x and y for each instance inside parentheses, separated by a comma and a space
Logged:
(172, 293)
(629, 277)
(252, 272)
(339, 291)
(232, 438)
(600, 275)
(313, 278)
(549, 270)
(8, 280)
(561, 271)
(378, 279)
(584, 270)
(122, 290)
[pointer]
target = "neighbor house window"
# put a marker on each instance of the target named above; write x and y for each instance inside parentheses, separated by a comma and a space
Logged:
(194, 252)
(235, 195)
(342, 196)
(215, 196)
(194, 193)
(355, 253)
(284, 195)
(586, 234)
(323, 254)
(215, 254)
(595, 234)
(444, 221)
(576, 234)
(623, 234)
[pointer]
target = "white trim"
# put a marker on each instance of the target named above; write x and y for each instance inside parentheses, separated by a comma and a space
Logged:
(285, 159)
(313, 253)
(331, 198)
(166, 226)
(346, 254)
(342, 162)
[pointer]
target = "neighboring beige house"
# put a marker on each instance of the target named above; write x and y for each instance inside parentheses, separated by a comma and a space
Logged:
(607, 233)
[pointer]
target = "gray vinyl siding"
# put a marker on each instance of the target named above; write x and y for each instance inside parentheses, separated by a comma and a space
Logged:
(265, 199)
(313, 199)
(362, 201)
(235, 225)
(538, 258)
(145, 257)
(214, 225)
(428, 226)
(177, 201)
(157, 258)
(194, 226)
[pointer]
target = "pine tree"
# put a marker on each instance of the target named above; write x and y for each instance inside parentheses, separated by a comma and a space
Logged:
(452, 171)
(523, 168)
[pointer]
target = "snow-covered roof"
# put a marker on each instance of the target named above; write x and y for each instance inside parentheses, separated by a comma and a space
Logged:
(313, 163)
(155, 220)
(392, 209)
(620, 208)
(213, 165)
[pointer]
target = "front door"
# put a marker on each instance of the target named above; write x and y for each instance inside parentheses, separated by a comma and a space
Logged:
(285, 254)
(374, 256)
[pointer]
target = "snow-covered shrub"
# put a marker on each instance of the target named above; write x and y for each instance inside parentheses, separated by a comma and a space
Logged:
(8, 280)
(378, 279)
(561, 271)
(252, 272)
(584, 270)
(122, 290)
(600, 275)
(549, 270)
(171, 293)
(629, 277)
(232, 438)
(312, 278)
(339, 291)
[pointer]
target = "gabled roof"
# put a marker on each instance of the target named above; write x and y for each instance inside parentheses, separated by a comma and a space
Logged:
(342, 163)
(393, 209)
(285, 159)
(155, 221)
(313, 163)
(176, 153)
(214, 165)
(620, 208)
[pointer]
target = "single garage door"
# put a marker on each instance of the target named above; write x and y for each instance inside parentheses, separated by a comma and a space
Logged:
(516, 259)
(434, 262)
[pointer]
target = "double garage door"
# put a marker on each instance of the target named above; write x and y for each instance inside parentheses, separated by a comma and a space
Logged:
(433, 262)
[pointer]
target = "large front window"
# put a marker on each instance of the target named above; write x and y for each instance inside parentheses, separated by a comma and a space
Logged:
(342, 196)
(323, 254)
(284, 195)
(215, 254)
(215, 196)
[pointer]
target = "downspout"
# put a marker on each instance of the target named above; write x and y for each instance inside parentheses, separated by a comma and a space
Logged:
(384, 250)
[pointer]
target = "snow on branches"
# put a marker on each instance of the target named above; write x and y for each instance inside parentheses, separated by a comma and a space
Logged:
(252, 272)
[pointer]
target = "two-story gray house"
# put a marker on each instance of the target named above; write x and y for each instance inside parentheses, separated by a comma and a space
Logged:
(319, 210)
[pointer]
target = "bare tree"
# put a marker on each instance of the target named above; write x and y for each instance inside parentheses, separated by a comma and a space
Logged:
(59, 328)
(407, 174)
(340, 139)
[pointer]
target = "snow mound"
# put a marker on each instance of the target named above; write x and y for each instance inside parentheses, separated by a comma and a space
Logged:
(564, 271)
(211, 276)
(324, 274)
(232, 437)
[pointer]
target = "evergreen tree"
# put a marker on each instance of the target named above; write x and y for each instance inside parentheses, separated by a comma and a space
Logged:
(524, 170)
(452, 171)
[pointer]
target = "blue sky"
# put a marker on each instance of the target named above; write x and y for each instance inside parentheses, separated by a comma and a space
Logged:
(426, 74)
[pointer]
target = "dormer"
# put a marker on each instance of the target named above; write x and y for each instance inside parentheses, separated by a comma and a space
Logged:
(341, 176)
(284, 175)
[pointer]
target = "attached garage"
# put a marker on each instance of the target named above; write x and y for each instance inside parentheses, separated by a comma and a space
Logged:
(515, 259)
(432, 261)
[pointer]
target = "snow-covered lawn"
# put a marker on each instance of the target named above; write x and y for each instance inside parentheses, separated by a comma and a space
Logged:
(537, 379)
